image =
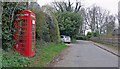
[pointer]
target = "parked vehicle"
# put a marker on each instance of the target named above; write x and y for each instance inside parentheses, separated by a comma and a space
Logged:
(65, 39)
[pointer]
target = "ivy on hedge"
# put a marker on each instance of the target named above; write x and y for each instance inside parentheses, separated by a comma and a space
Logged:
(8, 17)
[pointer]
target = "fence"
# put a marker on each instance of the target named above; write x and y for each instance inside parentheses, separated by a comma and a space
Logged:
(108, 41)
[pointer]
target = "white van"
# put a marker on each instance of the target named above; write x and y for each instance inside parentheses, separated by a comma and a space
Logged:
(65, 39)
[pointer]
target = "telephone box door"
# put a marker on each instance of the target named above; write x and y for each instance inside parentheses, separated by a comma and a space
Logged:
(25, 37)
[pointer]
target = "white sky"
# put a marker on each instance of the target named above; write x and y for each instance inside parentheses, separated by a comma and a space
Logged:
(111, 5)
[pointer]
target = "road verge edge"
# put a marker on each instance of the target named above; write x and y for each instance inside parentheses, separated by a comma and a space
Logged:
(106, 49)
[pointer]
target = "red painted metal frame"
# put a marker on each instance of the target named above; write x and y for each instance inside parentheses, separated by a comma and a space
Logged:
(23, 36)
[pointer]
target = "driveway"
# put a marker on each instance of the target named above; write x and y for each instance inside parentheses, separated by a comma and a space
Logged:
(86, 54)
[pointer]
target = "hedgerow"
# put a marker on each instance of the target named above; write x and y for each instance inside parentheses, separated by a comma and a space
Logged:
(8, 17)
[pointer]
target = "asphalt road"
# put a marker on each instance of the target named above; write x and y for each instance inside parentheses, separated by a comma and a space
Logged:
(86, 54)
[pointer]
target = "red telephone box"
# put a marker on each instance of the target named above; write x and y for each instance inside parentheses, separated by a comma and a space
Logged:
(25, 37)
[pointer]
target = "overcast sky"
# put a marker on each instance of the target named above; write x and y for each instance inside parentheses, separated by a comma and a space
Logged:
(111, 5)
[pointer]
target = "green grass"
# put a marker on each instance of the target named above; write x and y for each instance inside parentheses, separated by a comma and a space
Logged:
(14, 59)
(43, 56)
(47, 54)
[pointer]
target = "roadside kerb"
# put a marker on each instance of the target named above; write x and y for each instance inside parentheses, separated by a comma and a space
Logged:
(98, 45)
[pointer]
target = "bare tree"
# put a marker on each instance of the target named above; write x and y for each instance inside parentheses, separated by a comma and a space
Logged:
(64, 6)
(110, 25)
(118, 17)
(94, 17)
(84, 26)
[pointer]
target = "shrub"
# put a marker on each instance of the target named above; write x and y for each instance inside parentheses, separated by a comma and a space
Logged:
(81, 37)
(47, 25)
(89, 35)
(13, 59)
(96, 34)
(69, 23)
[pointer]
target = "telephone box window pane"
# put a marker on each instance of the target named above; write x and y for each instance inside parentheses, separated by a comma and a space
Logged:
(33, 21)
(33, 34)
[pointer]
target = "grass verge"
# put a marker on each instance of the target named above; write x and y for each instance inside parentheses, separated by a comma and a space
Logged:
(14, 59)
(109, 46)
(74, 41)
(43, 56)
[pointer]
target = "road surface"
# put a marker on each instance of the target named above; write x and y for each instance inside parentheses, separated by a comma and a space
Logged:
(86, 54)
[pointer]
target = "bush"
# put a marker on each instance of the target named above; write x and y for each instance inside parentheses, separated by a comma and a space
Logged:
(69, 23)
(96, 34)
(8, 17)
(81, 37)
(47, 27)
(89, 35)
